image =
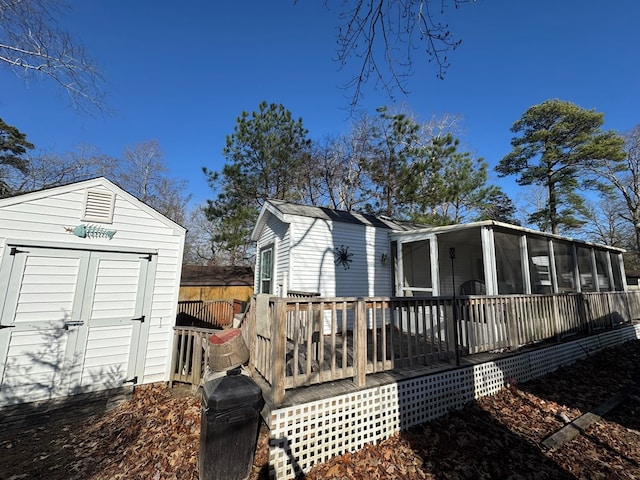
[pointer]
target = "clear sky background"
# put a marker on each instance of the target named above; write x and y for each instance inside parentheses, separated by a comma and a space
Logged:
(181, 73)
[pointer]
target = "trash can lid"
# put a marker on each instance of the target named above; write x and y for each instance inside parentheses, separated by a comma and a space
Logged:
(231, 391)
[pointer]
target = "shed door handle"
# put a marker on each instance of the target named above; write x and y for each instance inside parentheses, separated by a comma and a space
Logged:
(73, 323)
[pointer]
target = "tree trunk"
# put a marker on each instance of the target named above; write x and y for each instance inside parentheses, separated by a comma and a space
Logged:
(553, 206)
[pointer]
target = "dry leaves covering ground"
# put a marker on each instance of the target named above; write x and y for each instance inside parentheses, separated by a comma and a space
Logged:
(156, 436)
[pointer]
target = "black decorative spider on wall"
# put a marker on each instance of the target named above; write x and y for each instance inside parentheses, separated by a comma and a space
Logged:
(343, 257)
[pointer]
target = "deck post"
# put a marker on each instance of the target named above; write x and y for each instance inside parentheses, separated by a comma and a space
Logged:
(199, 353)
(449, 336)
(360, 344)
(251, 333)
(278, 346)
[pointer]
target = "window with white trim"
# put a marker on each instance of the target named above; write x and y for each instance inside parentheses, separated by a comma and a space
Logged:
(265, 277)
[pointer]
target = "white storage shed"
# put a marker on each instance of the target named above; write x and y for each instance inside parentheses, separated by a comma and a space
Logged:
(89, 282)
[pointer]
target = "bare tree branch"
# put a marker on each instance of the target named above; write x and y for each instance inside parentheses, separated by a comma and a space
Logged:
(48, 170)
(32, 45)
(384, 35)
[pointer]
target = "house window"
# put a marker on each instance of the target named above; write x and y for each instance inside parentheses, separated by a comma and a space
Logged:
(266, 270)
(615, 269)
(602, 271)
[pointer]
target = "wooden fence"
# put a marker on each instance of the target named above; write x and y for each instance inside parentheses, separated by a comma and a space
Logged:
(205, 313)
(300, 341)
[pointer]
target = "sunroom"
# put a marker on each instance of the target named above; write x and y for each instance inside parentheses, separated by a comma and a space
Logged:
(493, 258)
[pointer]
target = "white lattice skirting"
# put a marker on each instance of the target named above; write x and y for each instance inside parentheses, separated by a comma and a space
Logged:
(311, 433)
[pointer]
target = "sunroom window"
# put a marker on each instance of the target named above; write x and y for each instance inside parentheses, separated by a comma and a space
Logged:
(416, 268)
(563, 258)
(508, 263)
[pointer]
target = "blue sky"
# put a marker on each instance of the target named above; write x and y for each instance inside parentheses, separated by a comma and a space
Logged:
(182, 73)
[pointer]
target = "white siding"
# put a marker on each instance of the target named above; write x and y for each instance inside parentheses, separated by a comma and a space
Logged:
(275, 233)
(283, 263)
(40, 219)
(313, 258)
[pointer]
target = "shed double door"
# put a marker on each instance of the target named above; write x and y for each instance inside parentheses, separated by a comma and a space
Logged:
(72, 321)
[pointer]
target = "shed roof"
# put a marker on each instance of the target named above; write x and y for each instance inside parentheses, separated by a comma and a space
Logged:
(87, 184)
(216, 275)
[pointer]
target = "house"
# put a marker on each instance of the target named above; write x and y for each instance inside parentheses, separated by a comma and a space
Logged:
(633, 279)
(336, 253)
(326, 252)
(89, 280)
(370, 326)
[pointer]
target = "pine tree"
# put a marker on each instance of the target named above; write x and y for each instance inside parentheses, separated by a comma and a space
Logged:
(13, 145)
(558, 144)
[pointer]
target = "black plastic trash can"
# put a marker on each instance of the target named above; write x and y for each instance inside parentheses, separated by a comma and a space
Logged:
(230, 425)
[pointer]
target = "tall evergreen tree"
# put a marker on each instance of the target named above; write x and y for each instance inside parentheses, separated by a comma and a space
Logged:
(396, 138)
(450, 186)
(13, 146)
(558, 141)
(265, 155)
(423, 176)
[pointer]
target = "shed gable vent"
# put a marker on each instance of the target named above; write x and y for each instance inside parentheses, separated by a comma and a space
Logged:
(98, 206)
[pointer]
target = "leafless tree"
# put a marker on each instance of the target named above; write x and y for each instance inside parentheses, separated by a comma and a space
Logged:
(440, 125)
(605, 224)
(143, 173)
(337, 163)
(625, 181)
(531, 199)
(32, 45)
(48, 170)
(200, 245)
(384, 35)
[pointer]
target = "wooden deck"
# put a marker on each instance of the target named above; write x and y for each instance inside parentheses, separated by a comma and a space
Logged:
(300, 345)
(315, 392)
(298, 342)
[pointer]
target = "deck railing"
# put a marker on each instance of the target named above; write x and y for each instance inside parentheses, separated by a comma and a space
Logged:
(304, 341)
(190, 354)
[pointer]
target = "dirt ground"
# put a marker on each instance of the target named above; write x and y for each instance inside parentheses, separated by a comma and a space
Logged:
(155, 435)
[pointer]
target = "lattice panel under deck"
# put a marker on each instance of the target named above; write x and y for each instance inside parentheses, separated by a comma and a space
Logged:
(312, 433)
